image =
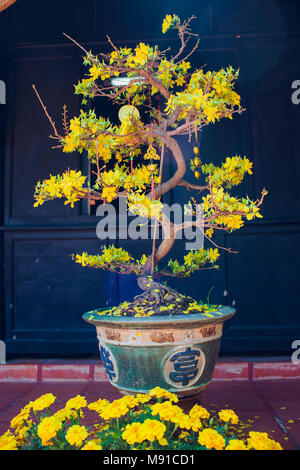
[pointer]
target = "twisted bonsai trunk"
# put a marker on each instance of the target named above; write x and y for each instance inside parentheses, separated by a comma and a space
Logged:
(169, 229)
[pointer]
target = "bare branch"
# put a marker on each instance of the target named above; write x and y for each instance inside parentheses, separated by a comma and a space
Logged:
(57, 135)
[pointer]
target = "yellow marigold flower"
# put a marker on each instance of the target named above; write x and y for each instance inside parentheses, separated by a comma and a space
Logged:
(169, 412)
(116, 409)
(19, 420)
(129, 401)
(199, 412)
(76, 403)
(98, 405)
(195, 424)
(161, 393)
(8, 441)
(228, 416)
(47, 429)
(211, 439)
(43, 402)
(261, 441)
(152, 429)
(64, 414)
(132, 433)
(92, 445)
(236, 444)
(76, 435)
(143, 397)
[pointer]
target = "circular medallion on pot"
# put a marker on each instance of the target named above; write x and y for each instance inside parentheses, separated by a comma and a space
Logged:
(109, 364)
(183, 366)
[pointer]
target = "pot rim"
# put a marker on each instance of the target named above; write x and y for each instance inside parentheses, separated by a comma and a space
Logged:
(219, 316)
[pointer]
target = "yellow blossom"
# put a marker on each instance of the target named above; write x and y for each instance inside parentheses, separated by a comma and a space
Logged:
(76, 403)
(43, 402)
(166, 23)
(261, 441)
(211, 439)
(47, 429)
(92, 445)
(8, 441)
(199, 412)
(76, 435)
(228, 416)
(236, 444)
(161, 393)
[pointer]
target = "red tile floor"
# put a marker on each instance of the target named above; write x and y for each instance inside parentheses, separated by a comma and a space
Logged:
(272, 406)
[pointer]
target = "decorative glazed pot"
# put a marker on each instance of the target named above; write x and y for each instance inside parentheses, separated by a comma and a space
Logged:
(177, 353)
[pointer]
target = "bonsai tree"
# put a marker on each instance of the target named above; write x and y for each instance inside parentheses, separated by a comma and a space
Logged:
(127, 159)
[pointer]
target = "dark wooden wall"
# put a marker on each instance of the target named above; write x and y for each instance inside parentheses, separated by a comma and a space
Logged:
(43, 293)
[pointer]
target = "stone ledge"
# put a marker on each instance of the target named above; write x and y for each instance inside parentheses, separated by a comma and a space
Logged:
(90, 371)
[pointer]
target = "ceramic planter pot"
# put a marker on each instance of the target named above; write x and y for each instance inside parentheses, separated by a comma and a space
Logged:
(177, 353)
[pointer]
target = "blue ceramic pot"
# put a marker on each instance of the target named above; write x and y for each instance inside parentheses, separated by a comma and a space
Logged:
(177, 353)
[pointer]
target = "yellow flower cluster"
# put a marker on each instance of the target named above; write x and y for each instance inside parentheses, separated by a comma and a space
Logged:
(110, 254)
(261, 441)
(76, 403)
(210, 94)
(173, 413)
(69, 186)
(118, 408)
(43, 402)
(194, 260)
(143, 53)
(166, 23)
(159, 392)
(171, 74)
(233, 209)
(149, 430)
(113, 180)
(126, 425)
(113, 259)
(87, 124)
(230, 173)
(169, 21)
(143, 206)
